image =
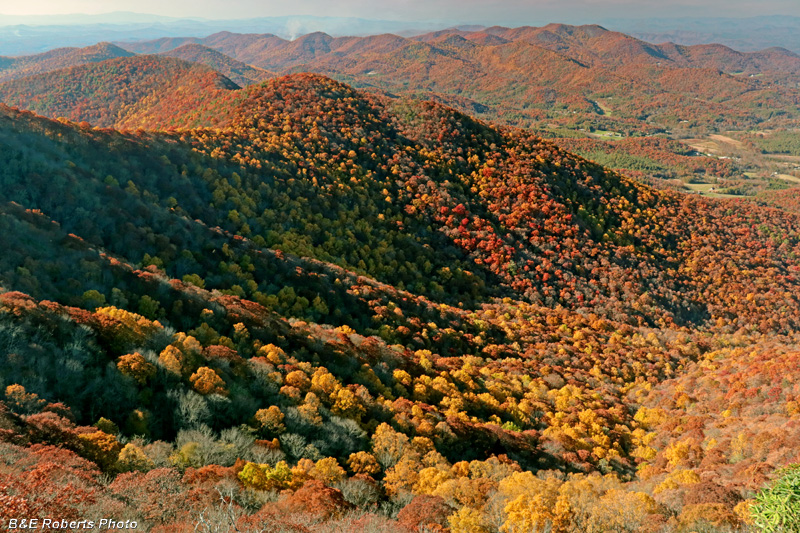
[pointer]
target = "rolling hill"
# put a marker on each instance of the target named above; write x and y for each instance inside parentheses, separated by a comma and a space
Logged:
(236, 71)
(562, 81)
(20, 67)
(524, 75)
(573, 76)
(128, 92)
(341, 309)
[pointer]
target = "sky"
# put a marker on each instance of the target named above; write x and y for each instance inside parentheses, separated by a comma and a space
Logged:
(514, 12)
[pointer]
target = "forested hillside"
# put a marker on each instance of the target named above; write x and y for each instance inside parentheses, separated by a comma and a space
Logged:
(653, 112)
(525, 75)
(300, 307)
(128, 92)
(20, 67)
(572, 76)
(238, 72)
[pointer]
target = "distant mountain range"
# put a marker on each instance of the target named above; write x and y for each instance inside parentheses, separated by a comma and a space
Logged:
(20, 67)
(570, 75)
(746, 34)
(21, 35)
(31, 35)
(126, 92)
(321, 277)
(240, 73)
(212, 292)
(117, 17)
(523, 75)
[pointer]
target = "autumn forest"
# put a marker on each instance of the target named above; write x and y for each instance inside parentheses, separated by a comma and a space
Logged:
(473, 281)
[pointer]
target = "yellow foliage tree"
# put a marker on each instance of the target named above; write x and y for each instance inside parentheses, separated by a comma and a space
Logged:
(310, 409)
(264, 477)
(580, 495)
(207, 381)
(363, 463)
(101, 448)
(621, 511)
(271, 419)
(388, 445)
(137, 367)
(346, 404)
(22, 401)
(273, 353)
(324, 383)
(403, 476)
(702, 515)
(468, 520)
(187, 344)
(465, 492)
(676, 479)
(677, 453)
(531, 506)
(129, 328)
(171, 359)
(649, 418)
(133, 458)
(298, 379)
(187, 456)
(328, 471)
(430, 479)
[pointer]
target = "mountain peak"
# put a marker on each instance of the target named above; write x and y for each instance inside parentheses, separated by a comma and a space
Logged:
(19, 67)
(113, 92)
(457, 42)
(108, 48)
(317, 36)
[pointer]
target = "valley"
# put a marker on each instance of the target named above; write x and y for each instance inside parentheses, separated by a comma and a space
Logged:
(510, 279)
(557, 80)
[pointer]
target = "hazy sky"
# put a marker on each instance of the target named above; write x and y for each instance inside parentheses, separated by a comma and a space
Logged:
(516, 12)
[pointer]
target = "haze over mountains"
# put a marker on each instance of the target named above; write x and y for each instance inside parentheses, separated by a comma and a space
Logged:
(314, 274)
(31, 35)
(237, 295)
(745, 34)
(20, 67)
(521, 76)
(25, 35)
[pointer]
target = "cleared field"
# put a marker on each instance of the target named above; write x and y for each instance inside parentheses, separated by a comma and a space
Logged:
(710, 190)
(788, 177)
(606, 135)
(715, 144)
(607, 111)
(783, 157)
(724, 139)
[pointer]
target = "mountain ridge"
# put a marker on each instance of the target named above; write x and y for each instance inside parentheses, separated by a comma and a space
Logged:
(722, 83)
(19, 67)
(301, 277)
(240, 73)
(123, 92)
(732, 78)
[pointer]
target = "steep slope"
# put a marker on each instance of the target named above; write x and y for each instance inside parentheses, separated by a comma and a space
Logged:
(236, 71)
(523, 76)
(246, 47)
(129, 92)
(595, 44)
(328, 278)
(19, 67)
(485, 220)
